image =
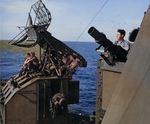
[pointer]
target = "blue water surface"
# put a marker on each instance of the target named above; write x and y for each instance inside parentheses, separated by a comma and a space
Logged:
(11, 63)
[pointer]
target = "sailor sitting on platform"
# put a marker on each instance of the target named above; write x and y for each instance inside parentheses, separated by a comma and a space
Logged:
(25, 65)
(33, 63)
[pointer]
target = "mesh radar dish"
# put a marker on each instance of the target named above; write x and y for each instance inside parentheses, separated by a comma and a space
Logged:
(28, 34)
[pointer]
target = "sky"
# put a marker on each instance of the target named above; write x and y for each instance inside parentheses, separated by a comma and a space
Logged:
(71, 19)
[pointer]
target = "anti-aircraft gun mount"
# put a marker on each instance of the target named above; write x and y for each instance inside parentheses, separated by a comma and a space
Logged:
(28, 96)
(36, 33)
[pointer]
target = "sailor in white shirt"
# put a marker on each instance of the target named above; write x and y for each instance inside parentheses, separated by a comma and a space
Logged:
(120, 40)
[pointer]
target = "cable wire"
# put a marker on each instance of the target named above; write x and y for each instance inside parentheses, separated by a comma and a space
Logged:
(90, 23)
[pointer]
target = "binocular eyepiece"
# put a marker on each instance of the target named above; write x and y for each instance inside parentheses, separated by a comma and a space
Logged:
(101, 39)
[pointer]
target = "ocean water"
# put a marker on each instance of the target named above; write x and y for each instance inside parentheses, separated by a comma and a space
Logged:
(11, 64)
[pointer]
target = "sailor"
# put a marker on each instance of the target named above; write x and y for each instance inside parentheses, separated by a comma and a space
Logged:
(58, 104)
(120, 40)
(25, 65)
(33, 63)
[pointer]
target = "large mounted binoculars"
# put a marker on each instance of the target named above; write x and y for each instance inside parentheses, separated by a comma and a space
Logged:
(119, 53)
